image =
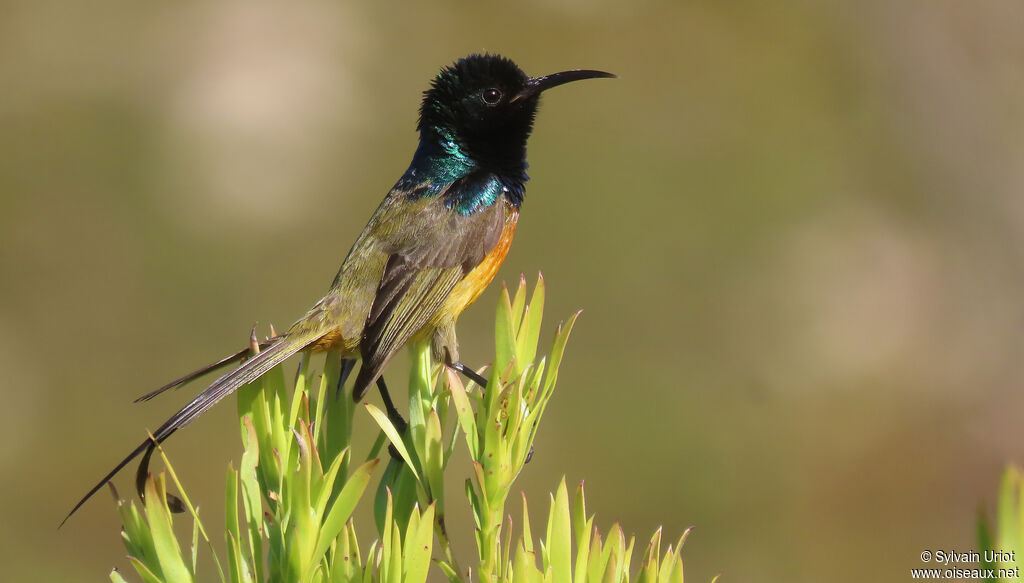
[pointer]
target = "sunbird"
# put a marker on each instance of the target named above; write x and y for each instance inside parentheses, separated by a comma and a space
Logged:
(429, 250)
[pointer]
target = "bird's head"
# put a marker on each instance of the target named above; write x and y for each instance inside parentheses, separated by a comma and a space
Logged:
(482, 107)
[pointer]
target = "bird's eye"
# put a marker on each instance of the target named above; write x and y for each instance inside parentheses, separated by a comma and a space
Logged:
(491, 96)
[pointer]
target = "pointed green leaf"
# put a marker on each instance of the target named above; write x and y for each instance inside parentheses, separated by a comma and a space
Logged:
(343, 506)
(527, 537)
(418, 545)
(420, 389)
(524, 567)
(147, 575)
(406, 490)
(583, 554)
(195, 544)
(305, 528)
(172, 565)
(505, 543)
(649, 566)
(299, 391)
(387, 547)
(394, 572)
(434, 463)
(676, 574)
(396, 439)
(668, 563)
(597, 560)
(580, 527)
(252, 500)
(612, 571)
(327, 488)
(504, 337)
(231, 503)
(345, 564)
(372, 562)
(338, 414)
(559, 540)
(237, 567)
(191, 509)
(518, 303)
(465, 414)
(135, 534)
(627, 555)
(321, 400)
(450, 573)
(529, 329)
(474, 503)
(485, 505)
(1008, 523)
(611, 546)
(558, 350)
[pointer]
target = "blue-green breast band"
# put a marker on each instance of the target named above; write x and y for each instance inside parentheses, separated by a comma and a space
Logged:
(472, 195)
(441, 167)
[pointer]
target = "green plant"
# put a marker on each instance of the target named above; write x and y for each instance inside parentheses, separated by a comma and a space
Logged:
(1000, 555)
(289, 503)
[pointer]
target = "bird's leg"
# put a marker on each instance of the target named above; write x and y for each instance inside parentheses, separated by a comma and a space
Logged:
(469, 373)
(393, 415)
(347, 364)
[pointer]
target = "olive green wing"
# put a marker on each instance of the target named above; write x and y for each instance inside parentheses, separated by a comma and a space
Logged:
(418, 276)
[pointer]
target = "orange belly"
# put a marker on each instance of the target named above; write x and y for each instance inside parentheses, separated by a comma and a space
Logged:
(333, 340)
(469, 289)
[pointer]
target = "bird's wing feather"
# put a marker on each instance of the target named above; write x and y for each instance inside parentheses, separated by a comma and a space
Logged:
(418, 277)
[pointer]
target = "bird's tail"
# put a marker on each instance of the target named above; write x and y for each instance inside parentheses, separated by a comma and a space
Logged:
(241, 354)
(247, 372)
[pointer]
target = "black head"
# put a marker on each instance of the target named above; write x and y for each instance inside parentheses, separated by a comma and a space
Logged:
(483, 106)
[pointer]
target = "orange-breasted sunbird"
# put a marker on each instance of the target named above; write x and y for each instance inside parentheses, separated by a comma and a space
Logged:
(429, 250)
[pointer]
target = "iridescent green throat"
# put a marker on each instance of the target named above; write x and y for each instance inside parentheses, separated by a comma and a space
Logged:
(442, 165)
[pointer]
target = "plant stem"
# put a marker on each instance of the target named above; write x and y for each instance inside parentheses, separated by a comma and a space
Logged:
(446, 545)
(489, 552)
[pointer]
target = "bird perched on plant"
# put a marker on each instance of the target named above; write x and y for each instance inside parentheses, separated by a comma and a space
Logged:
(429, 250)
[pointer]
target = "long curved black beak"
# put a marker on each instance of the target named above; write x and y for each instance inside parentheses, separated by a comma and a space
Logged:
(537, 84)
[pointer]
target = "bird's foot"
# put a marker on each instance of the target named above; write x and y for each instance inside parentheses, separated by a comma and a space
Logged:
(469, 373)
(480, 380)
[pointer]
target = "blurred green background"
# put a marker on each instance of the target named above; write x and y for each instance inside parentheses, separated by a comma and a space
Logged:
(795, 229)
